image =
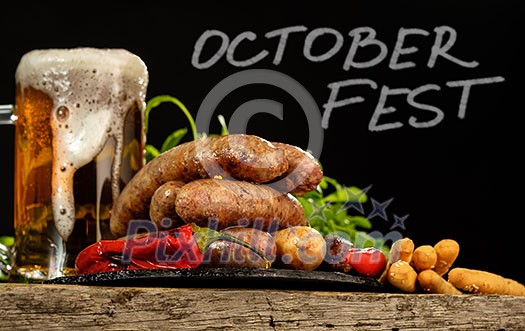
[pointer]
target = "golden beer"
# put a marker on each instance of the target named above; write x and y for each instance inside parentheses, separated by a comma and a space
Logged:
(79, 139)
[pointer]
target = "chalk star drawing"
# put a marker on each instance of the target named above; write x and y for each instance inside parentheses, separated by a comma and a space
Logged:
(356, 203)
(318, 210)
(379, 209)
(399, 222)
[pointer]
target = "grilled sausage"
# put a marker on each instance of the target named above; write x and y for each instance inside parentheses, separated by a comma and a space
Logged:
(244, 157)
(220, 203)
(303, 174)
(226, 254)
(162, 208)
(336, 251)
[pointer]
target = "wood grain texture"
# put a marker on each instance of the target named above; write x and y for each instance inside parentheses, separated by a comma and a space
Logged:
(75, 307)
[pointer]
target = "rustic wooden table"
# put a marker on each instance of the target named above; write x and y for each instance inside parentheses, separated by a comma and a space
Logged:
(80, 307)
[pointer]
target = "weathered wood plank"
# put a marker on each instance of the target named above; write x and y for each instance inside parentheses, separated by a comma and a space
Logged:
(74, 307)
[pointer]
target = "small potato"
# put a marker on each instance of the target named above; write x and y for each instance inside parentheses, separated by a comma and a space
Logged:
(300, 248)
(227, 254)
(402, 276)
(424, 258)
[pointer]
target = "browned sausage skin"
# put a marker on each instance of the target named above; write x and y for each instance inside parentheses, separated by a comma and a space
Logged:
(162, 209)
(336, 249)
(244, 157)
(226, 254)
(303, 174)
(220, 203)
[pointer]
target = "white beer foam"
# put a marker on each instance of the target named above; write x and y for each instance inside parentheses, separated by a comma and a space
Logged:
(92, 91)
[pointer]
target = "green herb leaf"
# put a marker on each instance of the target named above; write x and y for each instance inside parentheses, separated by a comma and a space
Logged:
(360, 221)
(347, 194)
(7, 240)
(6, 256)
(325, 209)
(158, 100)
(224, 127)
(173, 139)
(323, 184)
(151, 152)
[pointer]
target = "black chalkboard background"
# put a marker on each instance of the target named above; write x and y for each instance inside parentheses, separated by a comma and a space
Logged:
(457, 179)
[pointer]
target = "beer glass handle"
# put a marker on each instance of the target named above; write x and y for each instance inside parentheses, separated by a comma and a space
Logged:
(6, 115)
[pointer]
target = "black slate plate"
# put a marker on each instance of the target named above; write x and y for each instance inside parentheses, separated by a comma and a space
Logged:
(233, 278)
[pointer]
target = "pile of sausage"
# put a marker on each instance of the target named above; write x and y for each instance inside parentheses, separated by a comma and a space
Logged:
(223, 179)
(221, 182)
(240, 184)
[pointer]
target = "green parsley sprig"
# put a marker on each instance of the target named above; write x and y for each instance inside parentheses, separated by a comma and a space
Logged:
(328, 210)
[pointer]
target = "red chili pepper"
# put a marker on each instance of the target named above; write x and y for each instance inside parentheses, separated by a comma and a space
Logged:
(182, 247)
(172, 249)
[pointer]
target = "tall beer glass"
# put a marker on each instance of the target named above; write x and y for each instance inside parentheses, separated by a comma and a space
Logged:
(79, 139)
